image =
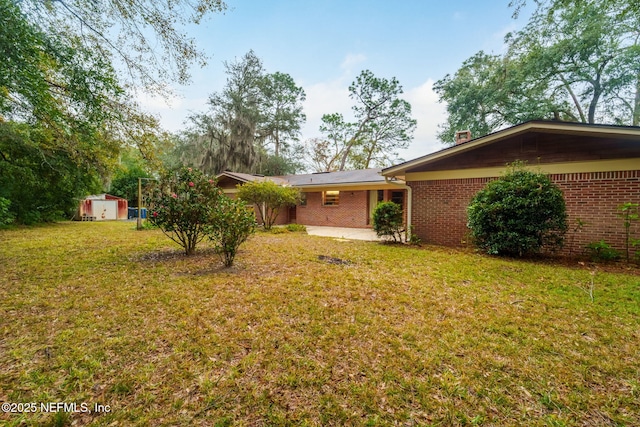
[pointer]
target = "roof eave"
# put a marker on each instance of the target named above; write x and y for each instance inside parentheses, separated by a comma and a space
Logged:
(401, 169)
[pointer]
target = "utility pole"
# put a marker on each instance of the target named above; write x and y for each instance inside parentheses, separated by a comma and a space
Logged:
(139, 227)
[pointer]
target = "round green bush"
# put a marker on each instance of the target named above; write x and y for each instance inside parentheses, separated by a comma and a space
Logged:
(518, 214)
(387, 221)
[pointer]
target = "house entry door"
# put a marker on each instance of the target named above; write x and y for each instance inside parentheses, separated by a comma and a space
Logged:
(292, 214)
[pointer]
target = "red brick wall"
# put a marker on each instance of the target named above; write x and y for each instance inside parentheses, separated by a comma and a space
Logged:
(439, 213)
(351, 212)
(439, 207)
(594, 198)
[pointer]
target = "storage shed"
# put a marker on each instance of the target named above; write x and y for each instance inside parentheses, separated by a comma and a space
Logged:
(102, 207)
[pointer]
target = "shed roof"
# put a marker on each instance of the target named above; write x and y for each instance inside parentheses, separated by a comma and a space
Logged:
(103, 196)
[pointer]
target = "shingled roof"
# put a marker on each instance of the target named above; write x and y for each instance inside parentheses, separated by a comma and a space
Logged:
(339, 178)
(362, 176)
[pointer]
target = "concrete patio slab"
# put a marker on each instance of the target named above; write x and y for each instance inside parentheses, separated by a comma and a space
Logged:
(343, 232)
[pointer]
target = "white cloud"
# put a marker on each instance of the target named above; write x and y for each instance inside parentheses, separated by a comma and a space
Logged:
(429, 113)
(496, 43)
(158, 103)
(331, 96)
(351, 60)
(324, 98)
(172, 111)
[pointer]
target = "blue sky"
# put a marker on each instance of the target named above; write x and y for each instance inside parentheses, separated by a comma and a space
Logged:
(324, 44)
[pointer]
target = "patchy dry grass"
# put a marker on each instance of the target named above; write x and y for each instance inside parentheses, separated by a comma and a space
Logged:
(99, 313)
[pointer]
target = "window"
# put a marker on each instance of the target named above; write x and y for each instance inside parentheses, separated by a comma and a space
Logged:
(380, 196)
(303, 199)
(330, 198)
(398, 197)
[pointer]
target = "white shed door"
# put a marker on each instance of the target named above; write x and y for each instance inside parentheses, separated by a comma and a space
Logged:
(105, 209)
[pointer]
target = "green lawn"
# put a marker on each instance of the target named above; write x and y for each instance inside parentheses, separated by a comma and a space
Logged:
(100, 313)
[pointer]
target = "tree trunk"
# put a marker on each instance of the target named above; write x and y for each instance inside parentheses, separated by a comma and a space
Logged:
(574, 98)
(597, 91)
(351, 143)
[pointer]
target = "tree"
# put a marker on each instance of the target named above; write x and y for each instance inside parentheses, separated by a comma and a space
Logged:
(388, 220)
(126, 175)
(6, 216)
(573, 61)
(487, 93)
(599, 70)
(323, 154)
(42, 179)
(382, 125)
(63, 101)
(518, 214)
(183, 204)
(282, 115)
(269, 198)
(287, 164)
(143, 36)
(254, 111)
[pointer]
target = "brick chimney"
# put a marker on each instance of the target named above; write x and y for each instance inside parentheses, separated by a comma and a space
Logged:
(463, 136)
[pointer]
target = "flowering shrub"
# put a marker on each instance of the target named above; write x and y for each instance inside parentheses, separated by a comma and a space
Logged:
(182, 204)
(188, 206)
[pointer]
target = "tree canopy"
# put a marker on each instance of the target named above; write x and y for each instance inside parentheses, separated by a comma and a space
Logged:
(65, 109)
(382, 125)
(147, 37)
(573, 61)
(251, 126)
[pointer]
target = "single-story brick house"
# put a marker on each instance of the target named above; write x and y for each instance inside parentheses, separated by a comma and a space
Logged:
(596, 166)
(338, 199)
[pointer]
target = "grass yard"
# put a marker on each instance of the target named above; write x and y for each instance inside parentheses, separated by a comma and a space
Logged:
(98, 313)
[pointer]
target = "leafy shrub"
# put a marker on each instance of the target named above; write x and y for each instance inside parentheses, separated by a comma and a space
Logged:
(269, 198)
(232, 224)
(387, 220)
(635, 244)
(413, 237)
(182, 205)
(602, 251)
(277, 230)
(630, 213)
(6, 217)
(296, 228)
(518, 214)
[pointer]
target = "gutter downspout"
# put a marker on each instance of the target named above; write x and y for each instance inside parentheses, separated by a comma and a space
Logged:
(409, 203)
